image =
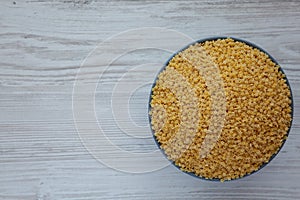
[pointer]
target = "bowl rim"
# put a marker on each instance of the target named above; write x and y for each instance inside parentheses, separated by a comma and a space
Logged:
(214, 39)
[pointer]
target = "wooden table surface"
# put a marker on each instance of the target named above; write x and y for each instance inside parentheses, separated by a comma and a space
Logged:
(43, 124)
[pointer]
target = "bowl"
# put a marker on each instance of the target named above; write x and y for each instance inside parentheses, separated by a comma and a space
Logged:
(201, 42)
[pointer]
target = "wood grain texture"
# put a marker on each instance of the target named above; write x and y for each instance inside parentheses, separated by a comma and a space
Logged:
(42, 45)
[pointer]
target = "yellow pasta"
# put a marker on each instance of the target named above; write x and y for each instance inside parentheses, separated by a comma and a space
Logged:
(257, 109)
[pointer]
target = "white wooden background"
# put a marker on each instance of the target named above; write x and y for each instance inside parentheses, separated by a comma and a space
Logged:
(43, 43)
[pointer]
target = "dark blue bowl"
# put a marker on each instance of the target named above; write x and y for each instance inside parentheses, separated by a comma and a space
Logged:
(213, 39)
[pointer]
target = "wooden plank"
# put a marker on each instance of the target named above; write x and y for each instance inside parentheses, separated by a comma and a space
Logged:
(42, 45)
